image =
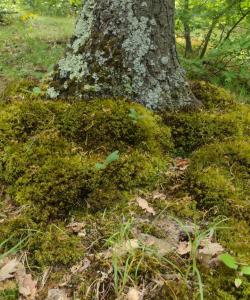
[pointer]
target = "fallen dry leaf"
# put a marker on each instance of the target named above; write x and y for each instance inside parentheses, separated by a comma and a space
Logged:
(81, 266)
(182, 163)
(184, 248)
(209, 248)
(157, 195)
(76, 227)
(125, 247)
(133, 294)
(144, 205)
(163, 246)
(27, 286)
(57, 294)
(8, 270)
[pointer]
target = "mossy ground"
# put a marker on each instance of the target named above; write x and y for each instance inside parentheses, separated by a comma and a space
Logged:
(49, 151)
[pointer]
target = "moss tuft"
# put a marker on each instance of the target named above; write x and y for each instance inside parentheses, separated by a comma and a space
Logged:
(55, 246)
(19, 90)
(193, 130)
(20, 120)
(105, 125)
(219, 177)
(211, 96)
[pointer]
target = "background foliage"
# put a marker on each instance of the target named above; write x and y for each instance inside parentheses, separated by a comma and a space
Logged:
(213, 36)
(219, 41)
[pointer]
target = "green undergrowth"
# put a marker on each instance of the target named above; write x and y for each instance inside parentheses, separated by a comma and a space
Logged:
(31, 44)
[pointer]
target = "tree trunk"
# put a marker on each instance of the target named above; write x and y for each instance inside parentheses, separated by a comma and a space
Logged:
(188, 41)
(124, 48)
(187, 34)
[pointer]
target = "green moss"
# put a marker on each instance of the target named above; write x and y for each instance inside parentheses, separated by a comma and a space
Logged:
(108, 125)
(46, 244)
(55, 246)
(192, 130)
(20, 120)
(218, 177)
(211, 96)
(236, 236)
(49, 151)
(220, 119)
(9, 292)
(219, 285)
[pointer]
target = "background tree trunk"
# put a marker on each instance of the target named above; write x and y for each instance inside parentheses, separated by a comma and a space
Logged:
(187, 34)
(124, 48)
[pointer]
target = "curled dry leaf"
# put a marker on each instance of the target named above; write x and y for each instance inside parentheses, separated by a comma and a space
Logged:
(84, 265)
(8, 269)
(163, 246)
(144, 205)
(57, 294)
(125, 247)
(158, 195)
(133, 294)
(27, 286)
(210, 249)
(184, 248)
(76, 227)
(182, 163)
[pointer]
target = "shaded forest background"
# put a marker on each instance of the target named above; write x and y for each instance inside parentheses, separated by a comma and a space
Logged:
(213, 38)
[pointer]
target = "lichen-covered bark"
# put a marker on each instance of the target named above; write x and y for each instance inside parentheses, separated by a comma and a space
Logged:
(124, 48)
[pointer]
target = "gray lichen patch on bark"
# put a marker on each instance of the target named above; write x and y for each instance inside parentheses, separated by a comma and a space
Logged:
(124, 48)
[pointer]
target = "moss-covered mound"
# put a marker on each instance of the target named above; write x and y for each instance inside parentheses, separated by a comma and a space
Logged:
(193, 130)
(221, 118)
(54, 155)
(219, 178)
(211, 96)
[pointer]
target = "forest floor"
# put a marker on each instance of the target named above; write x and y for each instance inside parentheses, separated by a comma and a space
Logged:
(109, 201)
(31, 44)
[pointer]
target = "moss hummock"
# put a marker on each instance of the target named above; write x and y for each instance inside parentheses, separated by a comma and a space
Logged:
(49, 152)
(221, 118)
(219, 178)
(211, 96)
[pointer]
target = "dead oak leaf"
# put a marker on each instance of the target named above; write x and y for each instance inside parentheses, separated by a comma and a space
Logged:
(182, 163)
(84, 265)
(76, 227)
(27, 286)
(184, 248)
(145, 206)
(158, 196)
(125, 247)
(8, 270)
(57, 294)
(209, 248)
(133, 294)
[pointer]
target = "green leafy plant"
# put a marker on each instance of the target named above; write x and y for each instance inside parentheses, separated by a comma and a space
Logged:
(109, 159)
(36, 91)
(135, 116)
(230, 261)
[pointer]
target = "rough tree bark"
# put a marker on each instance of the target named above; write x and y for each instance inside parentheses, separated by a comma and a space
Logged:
(124, 48)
